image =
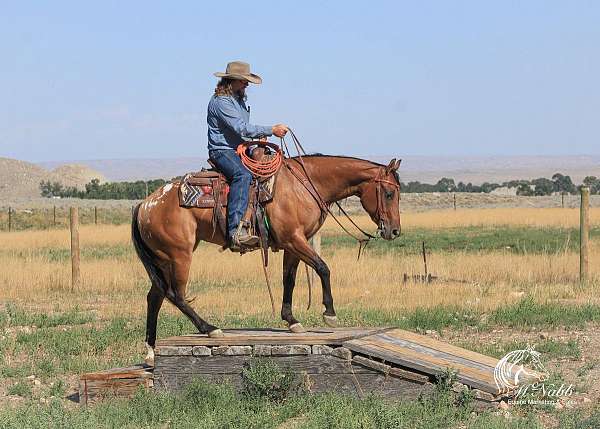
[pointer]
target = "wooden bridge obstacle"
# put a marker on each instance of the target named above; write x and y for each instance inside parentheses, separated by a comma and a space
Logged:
(390, 362)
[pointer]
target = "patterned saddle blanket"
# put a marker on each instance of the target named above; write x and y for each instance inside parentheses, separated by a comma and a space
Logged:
(203, 189)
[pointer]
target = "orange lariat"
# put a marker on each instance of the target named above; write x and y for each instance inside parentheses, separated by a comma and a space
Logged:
(261, 168)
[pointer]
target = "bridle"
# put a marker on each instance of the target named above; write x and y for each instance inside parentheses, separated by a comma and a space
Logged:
(380, 190)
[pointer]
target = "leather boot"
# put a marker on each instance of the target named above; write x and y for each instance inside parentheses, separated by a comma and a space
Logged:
(242, 237)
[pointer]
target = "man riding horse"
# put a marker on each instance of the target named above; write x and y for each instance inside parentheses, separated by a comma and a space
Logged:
(228, 126)
(165, 233)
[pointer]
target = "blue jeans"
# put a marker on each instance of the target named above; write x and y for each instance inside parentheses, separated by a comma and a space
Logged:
(229, 163)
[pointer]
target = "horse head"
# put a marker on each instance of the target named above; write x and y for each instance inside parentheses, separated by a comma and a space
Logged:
(380, 197)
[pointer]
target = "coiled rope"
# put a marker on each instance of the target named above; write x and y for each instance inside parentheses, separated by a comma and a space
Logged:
(263, 167)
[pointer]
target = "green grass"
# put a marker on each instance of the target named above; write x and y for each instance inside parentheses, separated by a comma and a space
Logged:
(520, 240)
(16, 316)
(528, 313)
(20, 388)
(549, 348)
(219, 406)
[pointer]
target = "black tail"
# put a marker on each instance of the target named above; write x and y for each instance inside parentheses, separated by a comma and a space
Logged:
(145, 254)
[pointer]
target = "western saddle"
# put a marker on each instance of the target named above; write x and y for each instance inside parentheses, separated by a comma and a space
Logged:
(208, 189)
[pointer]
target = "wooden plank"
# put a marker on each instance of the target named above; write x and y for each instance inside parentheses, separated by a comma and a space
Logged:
(424, 363)
(244, 337)
(394, 342)
(312, 364)
(117, 382)
(388, 370)
(445, 347)
(395, 352)
(127, 372)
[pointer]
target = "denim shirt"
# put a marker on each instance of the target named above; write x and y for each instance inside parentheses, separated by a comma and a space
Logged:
(228, 123)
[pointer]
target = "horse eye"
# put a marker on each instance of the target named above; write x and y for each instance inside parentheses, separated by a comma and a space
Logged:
(389, 195)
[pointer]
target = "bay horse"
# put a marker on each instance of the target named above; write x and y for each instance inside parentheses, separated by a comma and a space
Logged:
(165, 235)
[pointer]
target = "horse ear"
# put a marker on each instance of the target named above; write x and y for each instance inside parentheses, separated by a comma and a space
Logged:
(391, 165)
(397, 164)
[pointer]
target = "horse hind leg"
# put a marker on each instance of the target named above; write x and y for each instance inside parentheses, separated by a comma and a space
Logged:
(176, 294)
(154, 300)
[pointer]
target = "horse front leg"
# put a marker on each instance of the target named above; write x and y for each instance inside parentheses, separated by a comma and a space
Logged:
(302, 249)
(290, 268)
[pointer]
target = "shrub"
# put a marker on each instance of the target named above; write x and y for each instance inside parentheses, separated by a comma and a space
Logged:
(266, 379)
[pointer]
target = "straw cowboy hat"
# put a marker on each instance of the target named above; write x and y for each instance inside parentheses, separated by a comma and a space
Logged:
(239, 70)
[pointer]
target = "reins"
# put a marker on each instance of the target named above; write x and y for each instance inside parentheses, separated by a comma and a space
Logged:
(362, 242)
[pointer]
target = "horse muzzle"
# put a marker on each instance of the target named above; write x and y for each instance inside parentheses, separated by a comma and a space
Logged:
(388, 233)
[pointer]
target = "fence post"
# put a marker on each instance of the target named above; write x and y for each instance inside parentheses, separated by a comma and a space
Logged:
(9, 219)
(562, 200)
(584, 234)
(454, 200)
(54, 215)
(74, 222)
(95, 215)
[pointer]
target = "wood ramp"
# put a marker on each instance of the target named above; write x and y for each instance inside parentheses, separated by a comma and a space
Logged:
(387, 361)
(428, 356)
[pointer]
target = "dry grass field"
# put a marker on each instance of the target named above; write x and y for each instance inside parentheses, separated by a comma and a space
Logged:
(37, 270)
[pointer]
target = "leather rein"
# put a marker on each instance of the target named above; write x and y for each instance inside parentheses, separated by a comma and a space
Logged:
(305, 180)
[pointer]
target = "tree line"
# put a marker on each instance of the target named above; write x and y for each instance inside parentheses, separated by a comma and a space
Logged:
(95, 190)
(140, 189)
(537, 187)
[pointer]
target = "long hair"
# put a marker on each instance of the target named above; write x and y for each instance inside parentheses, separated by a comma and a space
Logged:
(224, 88)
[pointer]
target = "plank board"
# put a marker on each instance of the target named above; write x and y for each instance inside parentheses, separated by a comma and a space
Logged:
(429, 356)
(117, 382)
(248, 337)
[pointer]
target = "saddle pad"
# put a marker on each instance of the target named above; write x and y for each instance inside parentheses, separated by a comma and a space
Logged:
(202, 195)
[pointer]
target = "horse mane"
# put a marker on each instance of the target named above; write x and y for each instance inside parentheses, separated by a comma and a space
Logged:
(375, 164)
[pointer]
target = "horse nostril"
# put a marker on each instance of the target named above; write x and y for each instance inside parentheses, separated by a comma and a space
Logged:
(395, 232)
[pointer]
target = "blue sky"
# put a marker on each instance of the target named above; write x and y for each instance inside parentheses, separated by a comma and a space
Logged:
(103, 80)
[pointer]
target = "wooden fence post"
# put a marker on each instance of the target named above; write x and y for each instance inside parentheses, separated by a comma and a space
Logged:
(562, 200)
(584, 234)
(74, 215)
(454, 200)
(95, 215)
(9, 219)
(54, 215)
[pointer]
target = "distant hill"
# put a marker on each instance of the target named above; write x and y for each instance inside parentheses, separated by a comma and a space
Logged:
(20, 179)
(425, 169)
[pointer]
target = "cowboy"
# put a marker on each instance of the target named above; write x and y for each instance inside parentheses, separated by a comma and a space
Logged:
(228, 126)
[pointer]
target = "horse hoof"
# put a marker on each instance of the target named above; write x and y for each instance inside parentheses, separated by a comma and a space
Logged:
(216, 333)
(330, 321)
(149, 359)
(297, 328)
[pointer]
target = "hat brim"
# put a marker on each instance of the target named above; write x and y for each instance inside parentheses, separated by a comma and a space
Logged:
(253, 78)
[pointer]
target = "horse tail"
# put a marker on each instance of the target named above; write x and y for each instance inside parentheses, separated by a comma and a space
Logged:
(146, 254)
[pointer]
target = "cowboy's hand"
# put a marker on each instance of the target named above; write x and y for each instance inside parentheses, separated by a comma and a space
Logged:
(279, 130)
(262, 141)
